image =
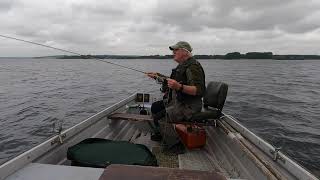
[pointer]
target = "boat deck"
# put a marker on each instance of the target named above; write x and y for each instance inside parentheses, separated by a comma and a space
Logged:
(191, 160)
(135, 132)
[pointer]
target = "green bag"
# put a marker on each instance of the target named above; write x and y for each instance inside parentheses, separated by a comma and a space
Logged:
(99, 153)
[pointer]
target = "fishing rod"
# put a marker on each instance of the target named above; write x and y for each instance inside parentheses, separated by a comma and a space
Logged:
(86, 56)
(161, 79)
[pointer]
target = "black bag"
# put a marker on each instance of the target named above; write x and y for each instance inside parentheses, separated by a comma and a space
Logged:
(99, 153)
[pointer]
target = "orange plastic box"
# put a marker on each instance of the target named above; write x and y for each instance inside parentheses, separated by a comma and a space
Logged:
(192, 136)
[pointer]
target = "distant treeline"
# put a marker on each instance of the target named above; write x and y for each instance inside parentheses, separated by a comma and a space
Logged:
(264, 55)
(232, 55)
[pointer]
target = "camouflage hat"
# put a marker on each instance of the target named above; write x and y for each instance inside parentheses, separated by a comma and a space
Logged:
(181, 45)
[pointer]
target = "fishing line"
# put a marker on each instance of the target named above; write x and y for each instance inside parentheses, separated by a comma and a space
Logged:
(86, 56)
(59, 49)
(82, 56)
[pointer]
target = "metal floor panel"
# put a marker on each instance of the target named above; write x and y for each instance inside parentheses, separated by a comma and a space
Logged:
(196, 160)
(36, 171)
(204, 159)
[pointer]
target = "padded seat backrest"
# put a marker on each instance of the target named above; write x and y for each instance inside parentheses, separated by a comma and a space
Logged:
(216, 94)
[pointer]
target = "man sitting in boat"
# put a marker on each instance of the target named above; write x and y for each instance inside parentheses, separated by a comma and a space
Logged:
(183, 97)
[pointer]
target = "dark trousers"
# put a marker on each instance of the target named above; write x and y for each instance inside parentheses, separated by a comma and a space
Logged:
(158, 111)
(161, 126)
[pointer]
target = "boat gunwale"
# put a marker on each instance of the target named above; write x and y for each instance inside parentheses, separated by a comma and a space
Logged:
(288, 164)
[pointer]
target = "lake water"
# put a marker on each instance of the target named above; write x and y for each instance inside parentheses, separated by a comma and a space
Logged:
(278, 100)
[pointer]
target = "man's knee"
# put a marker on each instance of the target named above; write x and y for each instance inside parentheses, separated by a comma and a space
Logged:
(157, 107)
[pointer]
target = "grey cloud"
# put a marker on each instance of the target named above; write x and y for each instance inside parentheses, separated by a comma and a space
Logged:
(148, 27)
(145, 27)
(5, 5)
(241, 15)
(100, 10)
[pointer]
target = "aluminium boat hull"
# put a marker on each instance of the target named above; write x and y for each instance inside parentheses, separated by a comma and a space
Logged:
(231, 150)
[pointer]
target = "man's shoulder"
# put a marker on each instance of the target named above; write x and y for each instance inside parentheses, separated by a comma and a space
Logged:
(195, 64)
(192, 64)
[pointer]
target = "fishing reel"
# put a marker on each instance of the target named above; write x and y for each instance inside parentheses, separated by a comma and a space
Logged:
(164, 83)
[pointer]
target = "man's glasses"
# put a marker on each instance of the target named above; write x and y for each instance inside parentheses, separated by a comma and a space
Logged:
(175, 51)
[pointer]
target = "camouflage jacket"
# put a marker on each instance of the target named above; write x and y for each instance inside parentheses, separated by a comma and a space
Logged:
(191, 73)
(188, 73)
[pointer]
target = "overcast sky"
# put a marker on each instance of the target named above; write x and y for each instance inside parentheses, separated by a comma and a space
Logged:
(143, 27)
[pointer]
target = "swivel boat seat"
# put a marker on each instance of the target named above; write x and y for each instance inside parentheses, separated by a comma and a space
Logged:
(213, 102)
(192, 134)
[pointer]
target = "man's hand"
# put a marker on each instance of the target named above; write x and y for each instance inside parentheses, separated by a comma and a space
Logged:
(152, 74)
(173, 84)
